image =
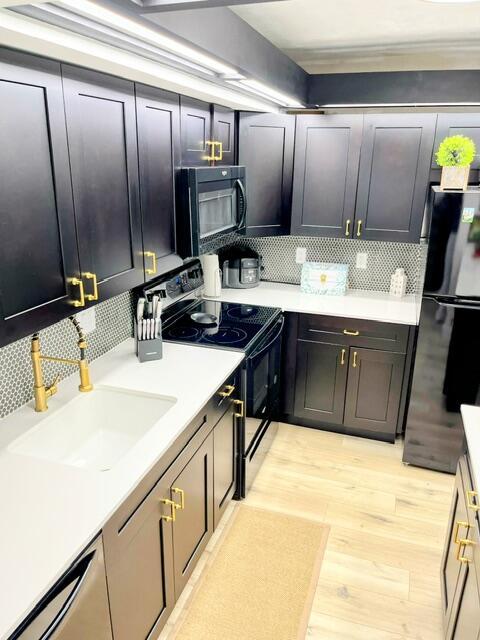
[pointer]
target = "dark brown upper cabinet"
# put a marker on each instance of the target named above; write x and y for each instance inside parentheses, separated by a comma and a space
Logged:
(452, 124)
(100, 114)
(265, 147)
(327, 155)
(394, 176)
(196, 128)
(38, 246)
(158, 127)
(207, 131)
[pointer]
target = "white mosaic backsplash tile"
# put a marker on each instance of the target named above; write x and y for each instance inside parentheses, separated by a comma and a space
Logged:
(113, 325)
(278, 258)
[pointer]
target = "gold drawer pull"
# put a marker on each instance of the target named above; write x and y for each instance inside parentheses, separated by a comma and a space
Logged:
(347, 227)
(359, 228)
(355, 355)
(172, 516)
(471, 502)
(92, 276)
(459, 523)
(342, 360)
(153, 269)
(227, 391)
(78, 283)
(464, 542)
(182, 498)
(347, 332)
(220, 151)
(211, 156)
(241, 413)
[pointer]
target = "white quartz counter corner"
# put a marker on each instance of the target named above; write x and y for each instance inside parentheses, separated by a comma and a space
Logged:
(366, 305)
(50, 511)
(471, 424)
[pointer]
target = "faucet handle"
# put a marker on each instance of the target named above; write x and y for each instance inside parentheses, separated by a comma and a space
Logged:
(52, 388)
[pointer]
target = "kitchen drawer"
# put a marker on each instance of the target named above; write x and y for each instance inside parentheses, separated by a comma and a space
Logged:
(219, 402)
(353, 332)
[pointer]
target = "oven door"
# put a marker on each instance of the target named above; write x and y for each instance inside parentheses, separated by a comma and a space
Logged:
(222, 207)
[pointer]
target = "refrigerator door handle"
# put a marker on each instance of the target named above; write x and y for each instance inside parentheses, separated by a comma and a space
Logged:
(457, 305)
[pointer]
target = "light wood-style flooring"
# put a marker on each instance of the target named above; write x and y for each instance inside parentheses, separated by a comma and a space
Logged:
(380, 574)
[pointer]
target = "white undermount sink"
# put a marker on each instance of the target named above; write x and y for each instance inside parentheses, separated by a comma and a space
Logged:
(95, 429)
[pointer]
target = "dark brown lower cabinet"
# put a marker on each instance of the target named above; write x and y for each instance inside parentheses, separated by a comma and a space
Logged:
(192, 493)
(460, 571)
(225, 463)
(154, 540)
(347, 375)
(373, 391)
(321, 381)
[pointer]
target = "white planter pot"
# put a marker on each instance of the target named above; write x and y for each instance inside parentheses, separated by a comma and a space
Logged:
(454, 178)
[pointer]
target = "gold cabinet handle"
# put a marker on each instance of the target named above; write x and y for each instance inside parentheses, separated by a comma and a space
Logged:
(211, 156)
(241, 413)
(347, 332)
(459, 523)
(342, 360)
(359, 228)
(347, 227)
(78, 283)
(92, 276)
(220, 151)
(464, 542)
(153, 269)
(172, 516)
(182, 497)
(227, 391)
(355, 355)
(471, 502)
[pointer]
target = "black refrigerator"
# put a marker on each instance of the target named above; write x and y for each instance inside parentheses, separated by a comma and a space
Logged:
(447, 360)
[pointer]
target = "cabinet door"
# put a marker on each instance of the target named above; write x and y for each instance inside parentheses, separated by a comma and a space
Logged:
(394, 176)
(102, 141)
(223, 130)
(451, 567)
(373, 391)
(453, 124)
(140, 569)
(193, 524)
(38, 246)
(327, 154)
(196, 125)
(225, 463)
(158, 126)
(265, 147)
(321, 382)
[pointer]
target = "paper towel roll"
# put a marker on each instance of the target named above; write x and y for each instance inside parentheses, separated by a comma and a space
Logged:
(211, 274)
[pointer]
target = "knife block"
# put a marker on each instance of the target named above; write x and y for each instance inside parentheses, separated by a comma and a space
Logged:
(148, 350)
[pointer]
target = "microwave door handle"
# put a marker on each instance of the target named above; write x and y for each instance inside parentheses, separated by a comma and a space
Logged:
(243, 196)
(255, 354)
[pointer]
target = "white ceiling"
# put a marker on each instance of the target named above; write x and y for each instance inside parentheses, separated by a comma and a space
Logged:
(329, 36)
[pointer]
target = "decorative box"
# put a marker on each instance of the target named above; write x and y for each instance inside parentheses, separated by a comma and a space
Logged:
(324, 278)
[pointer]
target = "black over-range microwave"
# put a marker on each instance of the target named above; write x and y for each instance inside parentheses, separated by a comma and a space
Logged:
(210, 201)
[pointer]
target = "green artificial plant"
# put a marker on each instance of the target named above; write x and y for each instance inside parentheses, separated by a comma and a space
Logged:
(456, 151)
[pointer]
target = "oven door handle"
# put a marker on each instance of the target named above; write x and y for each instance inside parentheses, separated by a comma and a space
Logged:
(255, 354)
(243, 196)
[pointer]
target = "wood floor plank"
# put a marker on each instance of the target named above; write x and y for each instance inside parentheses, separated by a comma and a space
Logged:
(418, 509)
(384, 549)
(323, 627)
(393, 615)
(416, 532)
(425, 588)
(365, 574)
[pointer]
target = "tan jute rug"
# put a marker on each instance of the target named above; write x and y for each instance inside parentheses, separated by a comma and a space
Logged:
(261, 583)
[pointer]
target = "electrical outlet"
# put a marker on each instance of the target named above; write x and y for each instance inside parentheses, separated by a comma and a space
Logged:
(87, 320)
(301, 255)
(362, 260)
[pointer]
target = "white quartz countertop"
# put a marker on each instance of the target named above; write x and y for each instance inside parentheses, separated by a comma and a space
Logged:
(368, 305)
(471, 424)
(49, 511)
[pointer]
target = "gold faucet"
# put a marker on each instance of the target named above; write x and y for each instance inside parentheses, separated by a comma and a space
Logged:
(42, 392)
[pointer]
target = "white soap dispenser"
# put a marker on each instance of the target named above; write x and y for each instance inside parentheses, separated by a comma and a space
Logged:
(398, 283)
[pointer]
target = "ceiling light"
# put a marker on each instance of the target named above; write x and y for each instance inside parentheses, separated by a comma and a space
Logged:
(137, 30)
(258, 88)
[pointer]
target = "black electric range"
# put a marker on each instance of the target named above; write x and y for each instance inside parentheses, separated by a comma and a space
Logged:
(224, 325)
(254, 330)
